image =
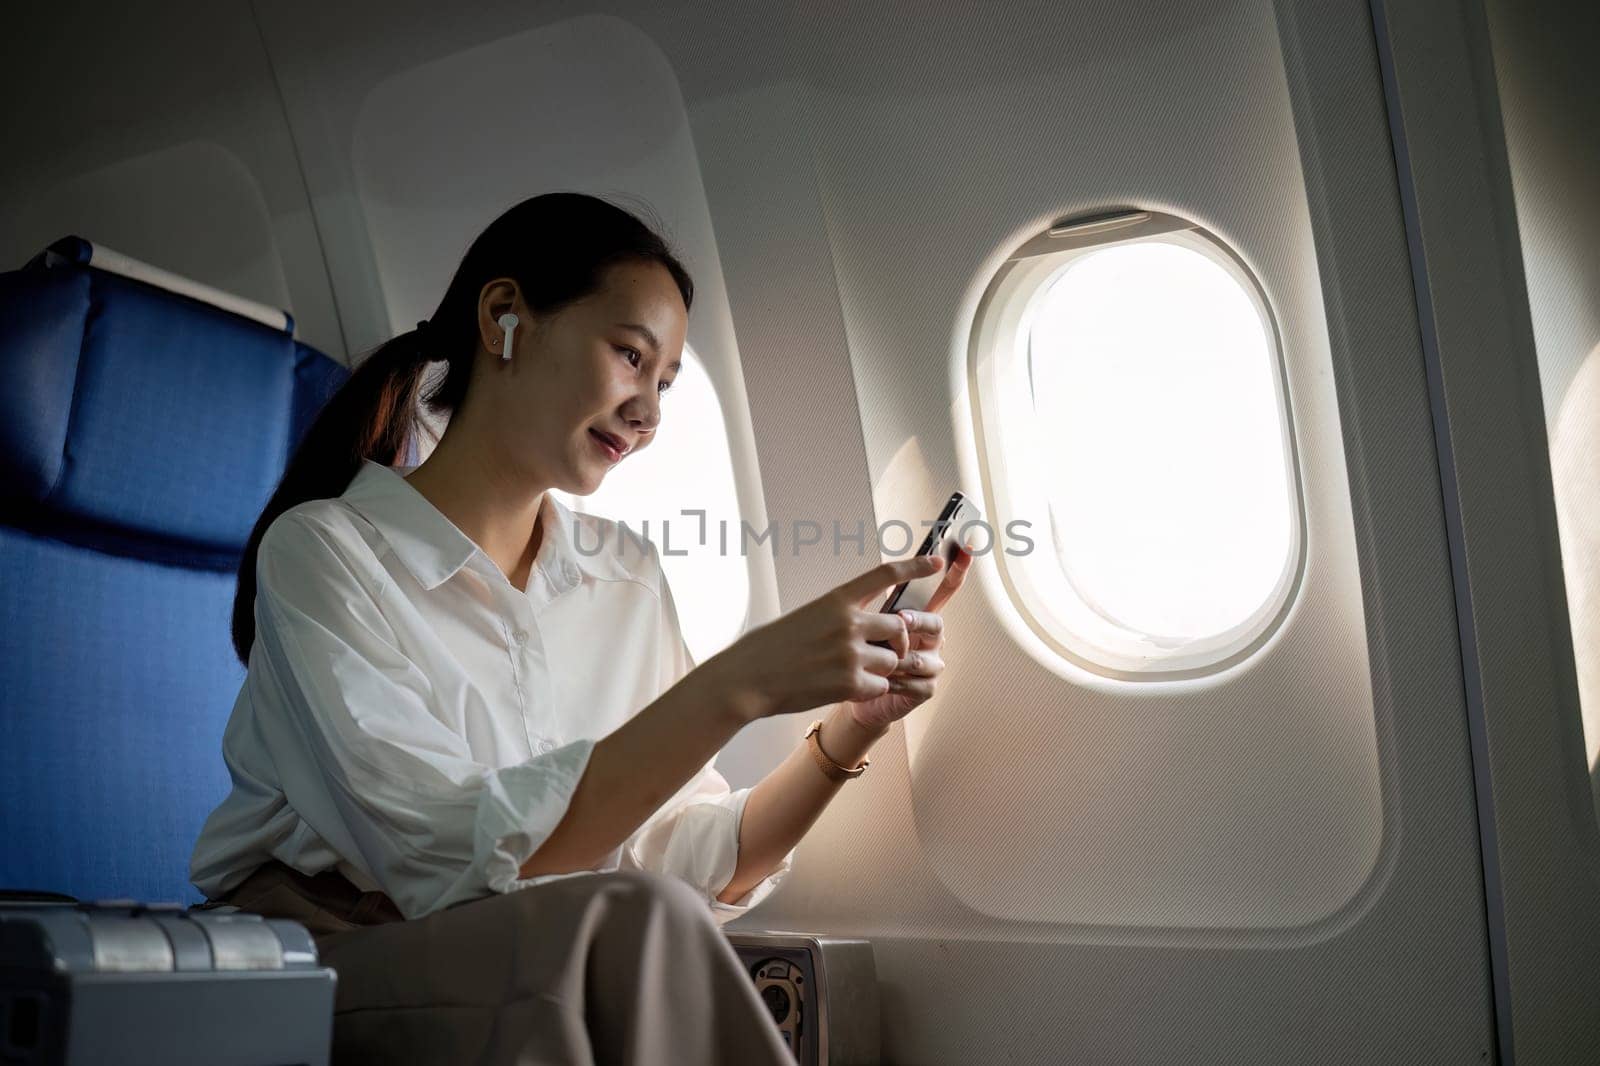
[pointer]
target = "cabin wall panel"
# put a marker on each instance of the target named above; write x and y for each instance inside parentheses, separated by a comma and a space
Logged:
(930, 174)
(157, 130)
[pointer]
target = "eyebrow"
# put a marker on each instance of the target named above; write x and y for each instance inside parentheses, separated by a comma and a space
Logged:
(650, 336)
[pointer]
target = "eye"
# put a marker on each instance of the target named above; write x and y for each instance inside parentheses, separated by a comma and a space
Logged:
(634, 358)
(663, 387)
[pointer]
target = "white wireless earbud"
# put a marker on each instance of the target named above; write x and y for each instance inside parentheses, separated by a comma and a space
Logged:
(508, 322)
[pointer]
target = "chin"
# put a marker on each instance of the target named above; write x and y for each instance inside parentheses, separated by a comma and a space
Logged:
(586, 482)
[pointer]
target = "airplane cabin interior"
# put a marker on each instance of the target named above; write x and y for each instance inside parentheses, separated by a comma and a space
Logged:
(1251, 349)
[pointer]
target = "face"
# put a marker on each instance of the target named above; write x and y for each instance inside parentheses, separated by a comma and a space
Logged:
(583, 390)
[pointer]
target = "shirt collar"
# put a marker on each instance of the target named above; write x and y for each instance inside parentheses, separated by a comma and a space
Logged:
(434, 549)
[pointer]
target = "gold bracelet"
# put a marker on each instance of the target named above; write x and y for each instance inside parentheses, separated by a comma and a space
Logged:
(834, 771)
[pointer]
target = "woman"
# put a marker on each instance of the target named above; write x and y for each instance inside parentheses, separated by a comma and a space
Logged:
(472, 754)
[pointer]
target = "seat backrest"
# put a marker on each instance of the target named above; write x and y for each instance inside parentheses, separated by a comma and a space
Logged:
(142, 431)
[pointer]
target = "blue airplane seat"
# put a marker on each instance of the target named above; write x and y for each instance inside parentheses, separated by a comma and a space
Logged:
(145, 422)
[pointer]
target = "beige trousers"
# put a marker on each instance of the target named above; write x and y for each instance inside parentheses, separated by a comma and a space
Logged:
(623, 967)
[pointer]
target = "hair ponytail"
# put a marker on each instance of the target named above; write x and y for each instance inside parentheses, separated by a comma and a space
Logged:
(379, 401)
(557, 246)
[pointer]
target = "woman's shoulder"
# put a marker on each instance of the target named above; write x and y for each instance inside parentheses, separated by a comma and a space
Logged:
(331, 519)
(322, 529)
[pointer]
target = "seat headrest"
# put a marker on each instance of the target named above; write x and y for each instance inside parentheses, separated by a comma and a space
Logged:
(152, 414)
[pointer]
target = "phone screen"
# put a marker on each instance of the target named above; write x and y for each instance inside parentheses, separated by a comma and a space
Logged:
(944, 538)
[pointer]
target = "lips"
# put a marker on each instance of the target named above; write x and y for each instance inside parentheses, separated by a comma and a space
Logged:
(614, 447)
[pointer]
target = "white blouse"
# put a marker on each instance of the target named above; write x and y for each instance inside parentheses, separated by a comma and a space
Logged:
(415, 721)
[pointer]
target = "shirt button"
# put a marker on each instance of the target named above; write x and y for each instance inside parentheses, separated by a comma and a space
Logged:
(520, 636)
(546, 746)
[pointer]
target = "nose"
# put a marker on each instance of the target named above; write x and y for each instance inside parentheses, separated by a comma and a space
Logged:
(643, 411)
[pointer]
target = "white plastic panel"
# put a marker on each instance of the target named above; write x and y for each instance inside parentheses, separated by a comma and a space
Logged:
(158, 130)
(1246, 803)
(443, 148)
(165, 208)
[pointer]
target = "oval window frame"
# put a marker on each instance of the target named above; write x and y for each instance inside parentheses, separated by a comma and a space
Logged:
(999, 395)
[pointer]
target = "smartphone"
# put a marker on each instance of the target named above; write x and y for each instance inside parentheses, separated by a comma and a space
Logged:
(943, 539)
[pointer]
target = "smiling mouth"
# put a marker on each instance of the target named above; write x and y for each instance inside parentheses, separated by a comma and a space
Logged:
(609, 444)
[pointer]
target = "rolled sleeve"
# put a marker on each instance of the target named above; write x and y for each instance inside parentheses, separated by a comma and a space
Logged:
(518, 808)
(696, 838)
(372, 768)
(727, 912)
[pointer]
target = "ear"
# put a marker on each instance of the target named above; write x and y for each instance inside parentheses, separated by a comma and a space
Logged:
(498, 297)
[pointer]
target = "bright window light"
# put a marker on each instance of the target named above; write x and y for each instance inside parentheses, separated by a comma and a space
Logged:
(1167, 497)
(1134, 413)
(688, 467)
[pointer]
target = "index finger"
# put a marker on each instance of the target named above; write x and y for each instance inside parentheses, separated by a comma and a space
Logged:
(887, 575)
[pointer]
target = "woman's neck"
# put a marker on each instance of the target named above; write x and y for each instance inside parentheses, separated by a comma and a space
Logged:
(499, 513)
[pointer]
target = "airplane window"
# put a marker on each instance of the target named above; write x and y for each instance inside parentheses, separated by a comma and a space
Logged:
(688, 467)
(1133, 408)
(1574, 458)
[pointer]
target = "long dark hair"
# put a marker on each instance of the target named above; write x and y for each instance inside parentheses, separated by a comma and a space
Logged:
(557, 246)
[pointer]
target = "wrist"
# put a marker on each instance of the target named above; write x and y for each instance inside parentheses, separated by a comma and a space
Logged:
(866, 725)
(845, 740)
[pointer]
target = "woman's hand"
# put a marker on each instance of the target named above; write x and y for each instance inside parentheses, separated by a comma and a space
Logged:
(920, 664)
(822, 653)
